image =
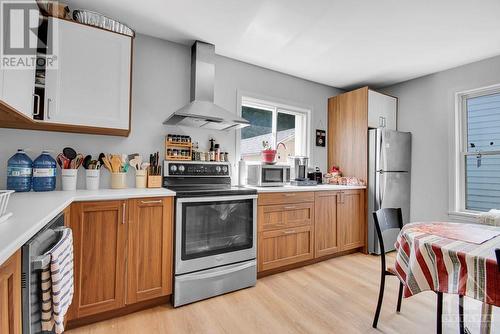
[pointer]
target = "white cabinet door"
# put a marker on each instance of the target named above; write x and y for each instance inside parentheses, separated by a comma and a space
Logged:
(91, 85)
(382, 110)
(17, 85)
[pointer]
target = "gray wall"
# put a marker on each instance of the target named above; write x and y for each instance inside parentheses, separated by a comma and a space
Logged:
(427, 109)
(160, 86)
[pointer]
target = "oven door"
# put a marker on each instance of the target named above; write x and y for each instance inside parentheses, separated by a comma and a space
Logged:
(214, 231)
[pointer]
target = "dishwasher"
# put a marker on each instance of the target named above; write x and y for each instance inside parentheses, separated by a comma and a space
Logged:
(33, 260)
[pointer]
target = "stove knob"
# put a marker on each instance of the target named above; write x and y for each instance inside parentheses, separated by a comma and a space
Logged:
(224, 169)
(217, 169)
(181, 168)
(173, 168)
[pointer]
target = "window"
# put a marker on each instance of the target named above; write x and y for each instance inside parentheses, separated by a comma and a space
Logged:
(273, 123)
(479, 150)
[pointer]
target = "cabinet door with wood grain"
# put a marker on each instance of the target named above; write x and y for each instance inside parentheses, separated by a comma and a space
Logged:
(325, 223)
(149, 263)
(283, 247)
(99, 231)
(272, 217)
(10, 295)
(351, 218)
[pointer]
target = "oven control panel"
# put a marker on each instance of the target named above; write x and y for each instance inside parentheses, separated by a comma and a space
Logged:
(196, 169)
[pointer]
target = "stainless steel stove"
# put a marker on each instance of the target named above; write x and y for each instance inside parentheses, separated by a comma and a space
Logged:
(215, 231)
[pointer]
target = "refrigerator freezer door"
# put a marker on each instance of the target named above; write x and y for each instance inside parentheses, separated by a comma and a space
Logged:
(394, 151)
(393, 191)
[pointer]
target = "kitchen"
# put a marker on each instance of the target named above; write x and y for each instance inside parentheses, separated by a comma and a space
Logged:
(161, 80)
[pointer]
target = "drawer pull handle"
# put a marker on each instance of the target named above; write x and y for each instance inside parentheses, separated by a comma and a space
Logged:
(290, 207)
(151, 202)
(124, 208)
(290, 232)
(289, 195)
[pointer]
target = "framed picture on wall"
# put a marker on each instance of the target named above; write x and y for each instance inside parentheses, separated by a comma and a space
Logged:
(320, 138)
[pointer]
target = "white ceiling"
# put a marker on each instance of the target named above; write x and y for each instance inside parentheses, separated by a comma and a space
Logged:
(342, 43)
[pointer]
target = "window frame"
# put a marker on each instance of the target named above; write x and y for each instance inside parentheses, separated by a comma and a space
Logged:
(461, 150)
(276, 106)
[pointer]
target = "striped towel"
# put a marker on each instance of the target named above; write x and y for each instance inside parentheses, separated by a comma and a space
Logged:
(57, 283)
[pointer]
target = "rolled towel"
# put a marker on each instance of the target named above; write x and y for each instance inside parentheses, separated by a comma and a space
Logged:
(491, 217)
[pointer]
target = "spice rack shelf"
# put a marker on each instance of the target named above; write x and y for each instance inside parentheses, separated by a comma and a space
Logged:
(181, 146)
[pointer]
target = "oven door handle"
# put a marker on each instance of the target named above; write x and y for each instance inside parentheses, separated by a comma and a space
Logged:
(216, 273)
(215, 198)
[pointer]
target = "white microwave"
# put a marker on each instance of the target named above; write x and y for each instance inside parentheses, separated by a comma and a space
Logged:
(262, 175)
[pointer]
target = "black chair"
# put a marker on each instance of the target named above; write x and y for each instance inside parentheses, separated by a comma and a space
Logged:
(386, 219)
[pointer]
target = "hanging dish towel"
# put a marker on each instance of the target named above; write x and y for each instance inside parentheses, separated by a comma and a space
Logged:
(57, 283)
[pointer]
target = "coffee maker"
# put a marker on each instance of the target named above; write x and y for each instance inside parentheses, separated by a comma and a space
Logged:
(299, 171)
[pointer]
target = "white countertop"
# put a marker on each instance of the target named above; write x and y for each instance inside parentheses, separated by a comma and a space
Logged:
(319, 187)
(33, 210)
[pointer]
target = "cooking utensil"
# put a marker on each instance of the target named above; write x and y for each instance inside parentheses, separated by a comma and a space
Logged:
(69, 153)
(63, 161)
(107, 164)
(87, 161)
(76, 162)
(116, 163)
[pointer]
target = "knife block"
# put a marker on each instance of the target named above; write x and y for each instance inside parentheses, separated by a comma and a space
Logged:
(154, 181)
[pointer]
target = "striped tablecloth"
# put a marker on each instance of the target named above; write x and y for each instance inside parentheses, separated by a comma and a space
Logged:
(427, 260)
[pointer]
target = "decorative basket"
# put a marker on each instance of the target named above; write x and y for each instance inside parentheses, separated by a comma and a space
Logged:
(4, 200)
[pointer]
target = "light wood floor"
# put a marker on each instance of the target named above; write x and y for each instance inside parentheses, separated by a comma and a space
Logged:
(334, 296)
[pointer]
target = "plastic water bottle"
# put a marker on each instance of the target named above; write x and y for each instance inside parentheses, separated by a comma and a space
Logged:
(44, 173)
(19, 171)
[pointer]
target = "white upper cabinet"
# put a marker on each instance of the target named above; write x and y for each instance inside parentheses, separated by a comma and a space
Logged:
(91, 84)
(382, 110)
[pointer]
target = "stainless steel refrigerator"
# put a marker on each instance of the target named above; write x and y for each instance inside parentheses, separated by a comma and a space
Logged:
(389, 164)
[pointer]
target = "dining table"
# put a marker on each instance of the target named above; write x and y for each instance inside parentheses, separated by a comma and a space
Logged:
(451, 258)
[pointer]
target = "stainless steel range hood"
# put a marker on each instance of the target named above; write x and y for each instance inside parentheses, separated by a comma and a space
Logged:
(202, 112)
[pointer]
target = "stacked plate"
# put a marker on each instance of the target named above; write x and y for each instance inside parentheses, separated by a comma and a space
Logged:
(98, 20)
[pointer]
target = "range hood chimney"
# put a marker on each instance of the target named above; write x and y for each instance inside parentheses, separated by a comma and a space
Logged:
(202, 112)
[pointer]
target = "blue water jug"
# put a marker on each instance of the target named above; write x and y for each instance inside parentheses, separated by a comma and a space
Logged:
(19, 171)
(44, 173)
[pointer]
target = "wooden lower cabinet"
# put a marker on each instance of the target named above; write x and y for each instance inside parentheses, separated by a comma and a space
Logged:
(123, 253)
(351, 217)
(285, 246)
(326, 233)
(100, 234)
(149, 262)
(10, 295)
(295, 232)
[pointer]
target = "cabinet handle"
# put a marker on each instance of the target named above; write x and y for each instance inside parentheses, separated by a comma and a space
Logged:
(380, 121)
(289, 195)
(48, 107)
(124, 207)
(152, 202)
(384, 121)
(289, 232)
(37, 112)
(290, 207)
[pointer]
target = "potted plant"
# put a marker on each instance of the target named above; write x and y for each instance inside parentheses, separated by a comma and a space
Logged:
(268, 154)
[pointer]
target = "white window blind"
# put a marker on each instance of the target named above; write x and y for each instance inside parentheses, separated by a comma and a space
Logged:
(482, 155)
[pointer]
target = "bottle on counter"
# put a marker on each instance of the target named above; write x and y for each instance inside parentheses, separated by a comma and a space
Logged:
(44, 173)
(242, 172)
(19, 172)
(217, 152)
(211, 152)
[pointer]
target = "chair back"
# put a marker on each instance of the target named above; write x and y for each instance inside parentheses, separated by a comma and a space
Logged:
(387, 219)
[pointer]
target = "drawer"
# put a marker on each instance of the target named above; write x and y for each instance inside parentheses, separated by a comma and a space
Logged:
(284, 247)
(272, 217)
(286, 197)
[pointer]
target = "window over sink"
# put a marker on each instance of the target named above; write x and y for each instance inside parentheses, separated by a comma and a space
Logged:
(273, 123)
(478, 150)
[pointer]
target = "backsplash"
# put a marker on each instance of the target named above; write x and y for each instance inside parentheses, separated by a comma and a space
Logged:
(161, 74)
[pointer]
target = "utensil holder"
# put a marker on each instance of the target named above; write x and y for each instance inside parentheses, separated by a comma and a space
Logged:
(118, 180)
(141, 178)
(92, 179)
(69, 177)
(154, 181)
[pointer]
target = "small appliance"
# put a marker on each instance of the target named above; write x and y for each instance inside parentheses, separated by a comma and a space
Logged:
(265, 175)
(299, 171)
